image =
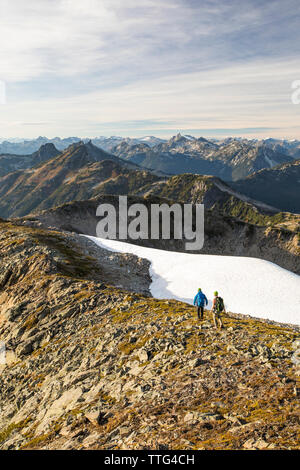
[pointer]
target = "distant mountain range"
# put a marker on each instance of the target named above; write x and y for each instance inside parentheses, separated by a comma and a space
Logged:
(49, 177)
(26, 147)
(84, 171)
(230, 160)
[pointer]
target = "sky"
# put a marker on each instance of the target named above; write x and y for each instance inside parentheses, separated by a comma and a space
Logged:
(149, 67)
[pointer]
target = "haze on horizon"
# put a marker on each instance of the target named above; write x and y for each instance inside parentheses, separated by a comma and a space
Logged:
(107, 67)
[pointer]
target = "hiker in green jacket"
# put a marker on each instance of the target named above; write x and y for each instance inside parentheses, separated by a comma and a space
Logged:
(218, 307)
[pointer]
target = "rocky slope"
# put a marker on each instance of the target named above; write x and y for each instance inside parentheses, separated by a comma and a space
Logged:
(93, 365)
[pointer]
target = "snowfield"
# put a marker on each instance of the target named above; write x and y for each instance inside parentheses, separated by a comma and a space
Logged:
(249, 286)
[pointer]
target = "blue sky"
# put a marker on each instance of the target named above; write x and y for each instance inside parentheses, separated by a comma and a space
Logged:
(110, 67)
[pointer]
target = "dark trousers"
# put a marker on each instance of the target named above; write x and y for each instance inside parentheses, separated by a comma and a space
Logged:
(200, 310)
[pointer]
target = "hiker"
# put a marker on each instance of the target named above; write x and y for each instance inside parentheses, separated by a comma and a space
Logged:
(218, 307)
(200, 300)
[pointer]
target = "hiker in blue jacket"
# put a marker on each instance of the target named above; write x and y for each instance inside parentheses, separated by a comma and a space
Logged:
(200, 300)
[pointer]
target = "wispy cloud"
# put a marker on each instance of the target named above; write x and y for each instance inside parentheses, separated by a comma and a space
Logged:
(75, 65)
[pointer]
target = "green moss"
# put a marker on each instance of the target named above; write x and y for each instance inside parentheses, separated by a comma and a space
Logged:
(30, 321)
(6, 433)
(36, 441)
(127, 348)
(106, 398)
(83, 295)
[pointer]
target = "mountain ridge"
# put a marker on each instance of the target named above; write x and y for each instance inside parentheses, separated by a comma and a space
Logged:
(10, 163)
(54, 181)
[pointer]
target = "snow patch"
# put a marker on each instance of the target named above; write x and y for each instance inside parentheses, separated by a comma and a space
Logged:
(249, 286)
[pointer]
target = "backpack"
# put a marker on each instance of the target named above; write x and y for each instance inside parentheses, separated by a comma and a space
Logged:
(219, 304)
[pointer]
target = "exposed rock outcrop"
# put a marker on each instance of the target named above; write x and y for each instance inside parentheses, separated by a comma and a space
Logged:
(90, 364)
